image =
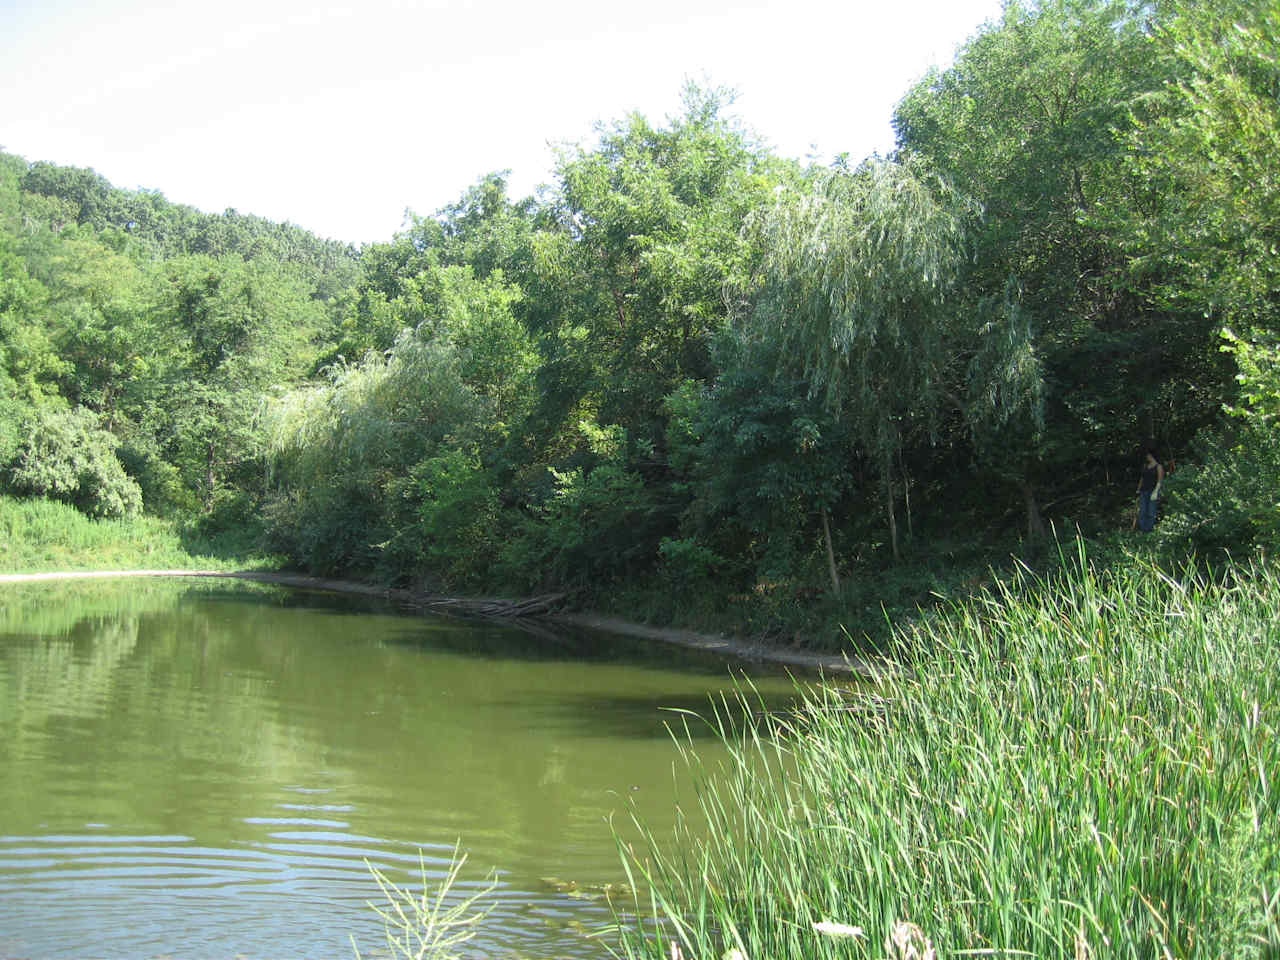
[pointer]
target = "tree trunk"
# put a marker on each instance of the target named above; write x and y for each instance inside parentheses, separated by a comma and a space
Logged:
(1148, 427)
(906, 496)
(831, 553)
(889, 505)
(1036, 534)
(209, 479)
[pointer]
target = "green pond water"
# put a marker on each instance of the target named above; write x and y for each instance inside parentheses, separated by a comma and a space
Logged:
(201, 769)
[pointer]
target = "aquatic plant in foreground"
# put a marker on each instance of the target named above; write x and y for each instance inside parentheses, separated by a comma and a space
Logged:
(1083, 768)
(427, 926)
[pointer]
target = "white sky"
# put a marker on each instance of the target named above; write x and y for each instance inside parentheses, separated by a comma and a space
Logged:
(339, 116)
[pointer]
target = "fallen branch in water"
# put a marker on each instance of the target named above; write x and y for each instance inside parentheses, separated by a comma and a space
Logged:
(496, 608)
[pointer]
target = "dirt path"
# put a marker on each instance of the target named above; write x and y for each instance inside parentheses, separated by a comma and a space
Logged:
(732, 647)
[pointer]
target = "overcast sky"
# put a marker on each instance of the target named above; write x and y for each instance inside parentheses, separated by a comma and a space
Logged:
(339, 116)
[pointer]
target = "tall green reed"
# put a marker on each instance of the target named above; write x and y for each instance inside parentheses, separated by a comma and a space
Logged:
(1079, 768)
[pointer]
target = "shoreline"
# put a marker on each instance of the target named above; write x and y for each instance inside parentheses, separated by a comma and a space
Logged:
(729, 647)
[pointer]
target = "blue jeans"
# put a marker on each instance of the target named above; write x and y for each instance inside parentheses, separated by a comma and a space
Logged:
(1146, 511)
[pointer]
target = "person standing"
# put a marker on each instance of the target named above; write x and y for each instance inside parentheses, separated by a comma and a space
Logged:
(1149, 491)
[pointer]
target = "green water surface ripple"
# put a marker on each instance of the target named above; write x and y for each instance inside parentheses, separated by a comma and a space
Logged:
(203, 770)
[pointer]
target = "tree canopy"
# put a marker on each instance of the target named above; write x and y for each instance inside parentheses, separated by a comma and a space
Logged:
(689, 364)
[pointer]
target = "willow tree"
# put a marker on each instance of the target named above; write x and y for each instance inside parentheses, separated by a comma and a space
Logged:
(860, 271)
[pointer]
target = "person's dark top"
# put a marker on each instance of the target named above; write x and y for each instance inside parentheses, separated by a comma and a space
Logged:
(1149, 477)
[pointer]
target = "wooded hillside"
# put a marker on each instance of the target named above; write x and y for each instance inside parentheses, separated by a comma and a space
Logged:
(694, 370)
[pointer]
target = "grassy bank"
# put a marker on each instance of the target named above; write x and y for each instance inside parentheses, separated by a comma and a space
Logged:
(1082, 769)
(39, 536)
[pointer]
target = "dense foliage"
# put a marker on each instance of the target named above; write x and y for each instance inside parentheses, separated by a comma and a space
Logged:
(693, 374)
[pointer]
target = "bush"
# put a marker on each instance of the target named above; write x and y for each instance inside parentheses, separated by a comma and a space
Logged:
(688, 564)
(163, 492)
(451, 536)
(1230, 503)
(66, 455)
(597, 529)
(326, 530)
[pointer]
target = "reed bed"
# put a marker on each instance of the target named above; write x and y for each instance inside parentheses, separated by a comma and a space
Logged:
(1083, 768)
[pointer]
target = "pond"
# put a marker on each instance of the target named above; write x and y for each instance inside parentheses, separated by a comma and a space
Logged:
(205, 769)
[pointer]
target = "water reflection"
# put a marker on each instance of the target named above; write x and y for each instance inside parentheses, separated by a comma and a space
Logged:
(202, 768)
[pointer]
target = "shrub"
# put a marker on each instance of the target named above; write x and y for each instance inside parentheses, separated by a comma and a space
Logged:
(596, 529)
(1230, 503)
(66, 455)
(163, 492)
(452, 536)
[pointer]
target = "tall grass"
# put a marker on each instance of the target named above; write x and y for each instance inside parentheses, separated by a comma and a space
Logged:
(1080, 769)
(38, 536)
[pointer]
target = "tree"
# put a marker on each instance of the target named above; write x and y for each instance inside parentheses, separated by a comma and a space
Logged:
(859, 281)
(1205, 148)
(243, 330)
(355, 460)
(647, 230)
(484, 231)
(761, 458)
(1031, 121)
(623, 276)
(87, 191)
(102, 323)
(29, 363)
(478, 317)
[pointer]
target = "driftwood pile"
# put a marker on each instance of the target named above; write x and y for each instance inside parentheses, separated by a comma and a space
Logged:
(494, 608)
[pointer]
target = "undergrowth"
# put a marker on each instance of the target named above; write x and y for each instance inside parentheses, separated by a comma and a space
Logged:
(38, 536)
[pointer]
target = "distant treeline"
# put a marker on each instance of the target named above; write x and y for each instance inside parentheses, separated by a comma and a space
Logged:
(692, 369)
(84, 198)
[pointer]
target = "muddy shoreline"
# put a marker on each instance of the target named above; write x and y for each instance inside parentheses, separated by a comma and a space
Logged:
(729, 647)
